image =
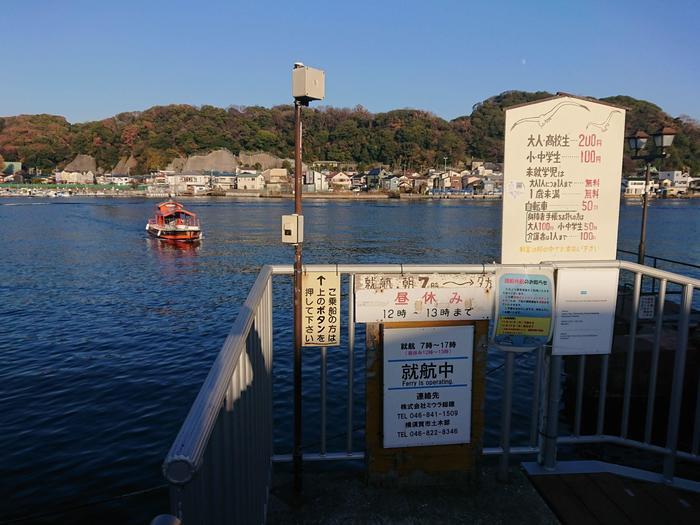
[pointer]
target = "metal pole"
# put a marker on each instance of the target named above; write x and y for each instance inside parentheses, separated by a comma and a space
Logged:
(351, 355)
(674, 409)
(552, 419)
(536, 394)
(297, 302)
(506, 406)
(645, 204)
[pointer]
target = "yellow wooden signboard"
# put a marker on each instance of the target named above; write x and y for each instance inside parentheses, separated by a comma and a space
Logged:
(320, 308)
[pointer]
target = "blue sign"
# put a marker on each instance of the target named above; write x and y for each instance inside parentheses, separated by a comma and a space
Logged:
(525, 302)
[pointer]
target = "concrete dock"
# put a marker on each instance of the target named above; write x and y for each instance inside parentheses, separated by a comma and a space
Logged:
(343, 496)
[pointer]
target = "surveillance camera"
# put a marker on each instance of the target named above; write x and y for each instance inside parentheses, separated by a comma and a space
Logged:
(297, 65)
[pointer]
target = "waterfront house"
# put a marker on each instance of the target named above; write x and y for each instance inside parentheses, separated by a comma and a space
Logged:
(75, 177)
(119, 180)
(359, 180)
(390, 184)
(315, 181)
(277, 180)
(421, 184)
(250, 181)
(189, 182)
(433, 181)
(455, 181)
(375, 176)
(406, 184)
(443, 180)
(340, 181)
(634, 187)
(674, 180)
(224, 181)
(473, 183)
(694, 187)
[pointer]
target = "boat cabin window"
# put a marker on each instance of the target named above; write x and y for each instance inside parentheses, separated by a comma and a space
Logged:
(175, 217)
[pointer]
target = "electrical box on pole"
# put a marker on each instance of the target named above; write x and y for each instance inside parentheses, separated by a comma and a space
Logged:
(292, 229)
(308, 83)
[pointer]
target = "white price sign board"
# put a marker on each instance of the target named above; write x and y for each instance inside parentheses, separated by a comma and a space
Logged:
(585, 311)
(423, 297)
(427, 385)
(561, 180)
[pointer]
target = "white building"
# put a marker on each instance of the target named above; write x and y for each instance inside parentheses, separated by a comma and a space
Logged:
(341, 181)
(315, 181)
(224, 182)
(277, 180)
(188, 183)
(118, 180)
(75, 177)
(677, 180)
(250, 181)
(635, 187)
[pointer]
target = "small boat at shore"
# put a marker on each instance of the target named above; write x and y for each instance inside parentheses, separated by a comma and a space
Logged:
(173, 223)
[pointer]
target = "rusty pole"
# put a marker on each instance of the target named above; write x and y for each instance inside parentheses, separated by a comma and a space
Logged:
(297, 457)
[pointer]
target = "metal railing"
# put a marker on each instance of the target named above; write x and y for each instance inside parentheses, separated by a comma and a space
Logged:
(184, 221)
(220, 463)
(219, 466)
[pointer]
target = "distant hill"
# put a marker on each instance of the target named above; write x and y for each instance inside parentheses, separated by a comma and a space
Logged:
(404, 138)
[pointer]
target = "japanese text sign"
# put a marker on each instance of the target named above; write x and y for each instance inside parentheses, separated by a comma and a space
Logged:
(416, 297)
(427, 385)
(320, 309)
(561, 184)
(586, 301)
(524, 308)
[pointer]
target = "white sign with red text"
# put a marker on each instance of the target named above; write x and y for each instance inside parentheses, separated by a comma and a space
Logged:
(561, 180)
(423, 297)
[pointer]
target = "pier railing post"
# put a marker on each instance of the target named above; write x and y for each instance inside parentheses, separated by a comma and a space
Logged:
(551, 422)
(677, 384)
(506, 417)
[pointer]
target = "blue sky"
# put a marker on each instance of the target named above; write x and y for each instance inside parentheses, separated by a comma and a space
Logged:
(88, 60)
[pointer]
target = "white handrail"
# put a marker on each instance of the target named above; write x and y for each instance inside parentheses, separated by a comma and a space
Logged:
(186, 453)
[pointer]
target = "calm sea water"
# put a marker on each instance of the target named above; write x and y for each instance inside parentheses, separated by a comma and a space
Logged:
(106, 335)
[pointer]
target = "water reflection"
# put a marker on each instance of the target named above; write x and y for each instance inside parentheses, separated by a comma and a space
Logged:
(167, 249)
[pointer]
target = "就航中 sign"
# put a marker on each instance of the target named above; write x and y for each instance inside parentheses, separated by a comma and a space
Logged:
(320, 309)
(585, 311)
(423, 297)
(427, 385)
(524, 308)
(561, 182)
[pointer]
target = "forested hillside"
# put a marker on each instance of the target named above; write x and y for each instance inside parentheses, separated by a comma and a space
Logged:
(408, 138)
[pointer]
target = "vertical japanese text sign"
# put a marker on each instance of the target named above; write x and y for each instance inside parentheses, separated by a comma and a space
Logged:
(561, 185)
(320, 321)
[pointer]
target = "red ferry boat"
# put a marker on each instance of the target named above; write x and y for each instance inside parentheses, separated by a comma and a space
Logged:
(174, 223)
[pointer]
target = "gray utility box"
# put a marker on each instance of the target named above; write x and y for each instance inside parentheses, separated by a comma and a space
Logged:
(293, 229)
(308, 83)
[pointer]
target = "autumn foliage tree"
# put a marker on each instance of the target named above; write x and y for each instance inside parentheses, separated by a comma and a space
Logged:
(406, 139)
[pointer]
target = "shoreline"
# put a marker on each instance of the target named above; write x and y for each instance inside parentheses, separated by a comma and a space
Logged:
(345, 196)
(254, 195)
